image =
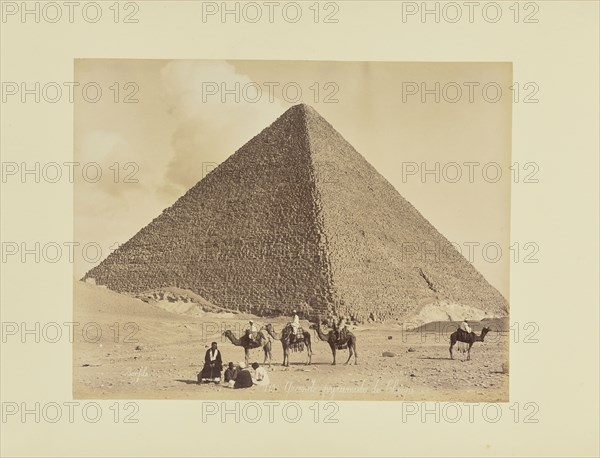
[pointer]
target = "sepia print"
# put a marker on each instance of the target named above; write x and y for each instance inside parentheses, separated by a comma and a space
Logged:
(294, 230)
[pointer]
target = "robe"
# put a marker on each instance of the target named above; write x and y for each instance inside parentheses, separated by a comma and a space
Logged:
(261, 377)
(211, 372)
(243, 379)
(230, 374)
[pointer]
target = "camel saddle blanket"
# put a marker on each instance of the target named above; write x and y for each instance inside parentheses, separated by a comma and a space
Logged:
(342, 341)
(299, 336)
(297, 346)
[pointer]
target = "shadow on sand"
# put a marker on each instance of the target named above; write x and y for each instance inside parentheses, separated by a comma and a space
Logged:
(188, 382)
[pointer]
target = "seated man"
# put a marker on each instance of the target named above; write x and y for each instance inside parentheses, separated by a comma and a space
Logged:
(339, 329)
(261, 377)
(243, 378)
(230, 373)
(295, 323)
(252, 331)
(211, 372)
(464, 326)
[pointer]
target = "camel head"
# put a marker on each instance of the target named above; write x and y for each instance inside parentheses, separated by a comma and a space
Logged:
(271, 331)
(227, 333)
(484, 331)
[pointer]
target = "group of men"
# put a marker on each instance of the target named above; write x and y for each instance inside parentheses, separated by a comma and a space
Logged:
(295, 324)
(240, 377)
(236, 376)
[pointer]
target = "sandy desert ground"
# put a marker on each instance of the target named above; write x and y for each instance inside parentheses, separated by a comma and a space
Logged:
(125, 348)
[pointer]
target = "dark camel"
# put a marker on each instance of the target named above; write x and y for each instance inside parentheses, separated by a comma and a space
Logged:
(350, 340)
(469, 338)
(285, 337)
(248, 345)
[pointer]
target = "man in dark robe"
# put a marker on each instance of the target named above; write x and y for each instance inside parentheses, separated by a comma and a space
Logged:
(243, 379)
(230, 372)
(211, 372)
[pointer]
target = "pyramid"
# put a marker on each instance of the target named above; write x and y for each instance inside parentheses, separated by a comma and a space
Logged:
(298, 219)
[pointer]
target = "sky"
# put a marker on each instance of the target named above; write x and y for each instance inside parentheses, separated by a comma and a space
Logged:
(160, 125)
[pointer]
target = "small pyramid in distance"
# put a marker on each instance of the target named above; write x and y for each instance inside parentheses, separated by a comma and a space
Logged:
(298, 219)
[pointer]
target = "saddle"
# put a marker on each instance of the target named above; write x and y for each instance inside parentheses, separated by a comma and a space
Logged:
(298, 337)
(342, 339)
(462, 335)
(253, 341)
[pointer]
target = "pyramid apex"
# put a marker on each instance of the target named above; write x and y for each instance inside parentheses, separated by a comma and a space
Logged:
(302, 108)
(299, 114)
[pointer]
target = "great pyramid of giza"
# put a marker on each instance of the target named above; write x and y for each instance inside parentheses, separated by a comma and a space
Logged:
(297, 218)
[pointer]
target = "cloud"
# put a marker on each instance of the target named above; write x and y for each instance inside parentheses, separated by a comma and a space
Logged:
(208, 128)
(168, 136)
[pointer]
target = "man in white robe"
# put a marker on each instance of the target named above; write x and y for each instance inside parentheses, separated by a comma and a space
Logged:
(260, 376)
(252, 330)
(295, 322)
(465, 326)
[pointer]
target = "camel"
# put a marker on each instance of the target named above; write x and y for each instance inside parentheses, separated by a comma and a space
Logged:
(350, 341)
(285, 337)
(244, 341)
(468, 338)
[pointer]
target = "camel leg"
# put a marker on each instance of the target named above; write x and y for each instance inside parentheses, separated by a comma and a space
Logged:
(267, 351)
(453, 340)
(469, 352)
(333, 351)
(247, 355)
(352, 351)
(349, 354)
(308, 353)
(355, 353)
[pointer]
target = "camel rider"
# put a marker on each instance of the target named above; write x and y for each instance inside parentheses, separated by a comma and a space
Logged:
(295, 323)
(252, 330)
(338, 328)
(464, 326)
